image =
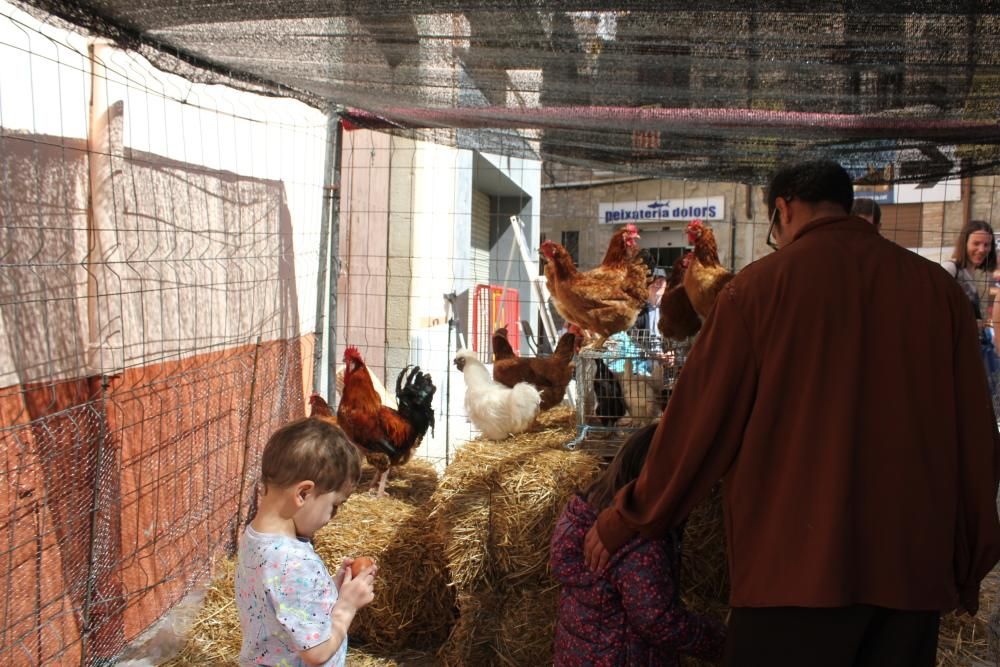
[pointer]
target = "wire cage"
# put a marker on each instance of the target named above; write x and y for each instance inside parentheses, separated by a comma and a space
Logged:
(624, 385)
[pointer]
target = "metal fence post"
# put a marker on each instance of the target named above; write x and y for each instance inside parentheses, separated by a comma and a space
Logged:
(324, 252)
(333, 193)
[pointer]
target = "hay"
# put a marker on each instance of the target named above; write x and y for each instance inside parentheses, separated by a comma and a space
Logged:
(527, 626)
(559, 417)
(473, 638)
(499, 501)
(214, 637)
(511, 628)
(361, 657)
(704, 566)
(413, 483)
(413, 607)
(496, 508)
(965, 641)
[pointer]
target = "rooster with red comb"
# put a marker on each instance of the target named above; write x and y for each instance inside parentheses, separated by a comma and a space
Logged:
(386, 436)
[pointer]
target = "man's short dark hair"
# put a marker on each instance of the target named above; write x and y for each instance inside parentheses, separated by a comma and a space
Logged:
(868, 207)
(814, 181)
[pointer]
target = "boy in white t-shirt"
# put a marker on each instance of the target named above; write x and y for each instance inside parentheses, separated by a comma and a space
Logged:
(291, 611)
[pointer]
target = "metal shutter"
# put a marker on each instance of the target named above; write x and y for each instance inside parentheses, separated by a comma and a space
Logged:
(480, 238)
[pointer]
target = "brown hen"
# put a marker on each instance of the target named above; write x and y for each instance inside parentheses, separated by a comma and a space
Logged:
(606, 299)
(550, 375)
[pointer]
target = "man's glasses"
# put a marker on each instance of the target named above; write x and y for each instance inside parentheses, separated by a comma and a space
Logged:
(771, 243)
(770, 230)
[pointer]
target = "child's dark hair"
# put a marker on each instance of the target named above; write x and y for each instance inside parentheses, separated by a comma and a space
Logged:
(310, 449)
(624, 468)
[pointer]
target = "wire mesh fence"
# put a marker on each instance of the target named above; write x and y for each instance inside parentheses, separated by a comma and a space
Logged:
(157, 289)
(162, 301)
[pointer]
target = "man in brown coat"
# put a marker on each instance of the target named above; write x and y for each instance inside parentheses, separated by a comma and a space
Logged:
(838, 392)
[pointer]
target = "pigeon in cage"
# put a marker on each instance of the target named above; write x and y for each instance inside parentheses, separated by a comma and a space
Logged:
(642, 393)
(609, 399)
(606, 299)
(495, 409)
(550, 375)
(640, 373)
(387, 437)
(705, 276)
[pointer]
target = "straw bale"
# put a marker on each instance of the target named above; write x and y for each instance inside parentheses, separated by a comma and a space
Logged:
(559, 417)
(413, 604)
(498, 503)
(474, 636)
(704, 567)
(215, 637)
(362, 656)
(496, 507)
(413, 483)
(515, 627)
(527, 626)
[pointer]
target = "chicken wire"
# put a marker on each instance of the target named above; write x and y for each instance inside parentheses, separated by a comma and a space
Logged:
(426, 261)
(624, 385)
(153, 266)
(723, 90)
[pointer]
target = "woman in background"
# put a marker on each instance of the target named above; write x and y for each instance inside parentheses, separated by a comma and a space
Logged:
(974, 266)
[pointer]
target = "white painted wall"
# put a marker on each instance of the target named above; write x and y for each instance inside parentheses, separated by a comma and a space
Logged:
(430, 256)
(45, 97)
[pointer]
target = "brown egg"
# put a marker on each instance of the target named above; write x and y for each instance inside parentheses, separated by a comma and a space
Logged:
(360, 564)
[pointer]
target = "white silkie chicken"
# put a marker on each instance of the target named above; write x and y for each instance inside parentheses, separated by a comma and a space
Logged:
(496, 410)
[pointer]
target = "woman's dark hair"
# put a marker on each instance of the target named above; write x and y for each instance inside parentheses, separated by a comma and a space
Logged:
(625, 467)
(961, 254)
(813, 182)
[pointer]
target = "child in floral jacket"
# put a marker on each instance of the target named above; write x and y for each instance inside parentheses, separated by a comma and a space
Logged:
(630, 614)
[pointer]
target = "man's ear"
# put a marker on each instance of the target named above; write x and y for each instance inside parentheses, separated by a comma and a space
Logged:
(302, 491)
(782, 205)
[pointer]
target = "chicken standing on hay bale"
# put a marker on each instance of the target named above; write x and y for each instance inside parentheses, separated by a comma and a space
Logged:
(388, 437)
(550, 375)
(493, 408)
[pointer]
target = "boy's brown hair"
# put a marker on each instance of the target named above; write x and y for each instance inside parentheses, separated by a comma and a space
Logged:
(310, 449)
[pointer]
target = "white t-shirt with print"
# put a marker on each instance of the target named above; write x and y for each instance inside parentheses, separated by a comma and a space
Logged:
(285, 595)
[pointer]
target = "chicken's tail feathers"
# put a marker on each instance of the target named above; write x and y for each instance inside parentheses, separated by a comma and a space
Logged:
(524, 399)
(415, 398)
(502, 348)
